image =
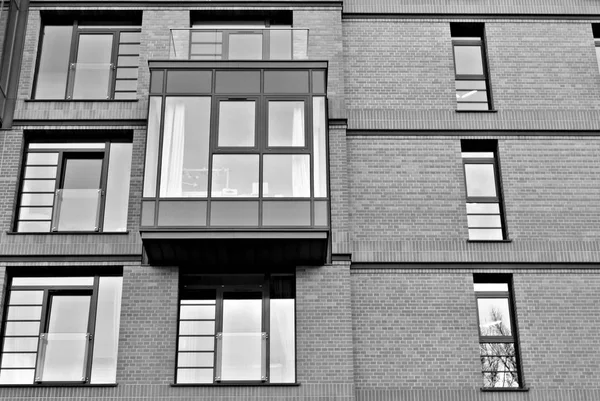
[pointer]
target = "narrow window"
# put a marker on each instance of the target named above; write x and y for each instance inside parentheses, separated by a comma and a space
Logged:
(596, 32)
(75, 187)
(470, 67)
(498, 345)
(88, 60)
(236, 329)
(61, 330)
(485, 209)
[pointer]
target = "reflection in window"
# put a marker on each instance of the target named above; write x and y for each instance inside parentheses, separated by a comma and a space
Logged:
(484, 204)
(77, 199)
(236, 329)
(55, 345)
(497, 341)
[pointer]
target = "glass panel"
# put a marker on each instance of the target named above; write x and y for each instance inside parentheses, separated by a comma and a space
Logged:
(130, 37)
(77, 210)
(282, 341)
(280, 44)
(35, 213)
(40, 172)
(245, 46)
(93, 68)
(497, 349)
(117, 187)
(484, 221)
(22, 328)
(38, 185)
(196, 328)
(69, 314)
(62, 357)
(468, 60)
(321, 213)
(50, 281)
(236, 123)
(151, 165)
(148, 210)
(235, 176)
(286, 123)
(42, 158)
(184, 167)
(25, 344)
(197, 312)
(494, 316)
(241, 353)
(499, 364)
(156, 81)
(286, 213)
(485, 234)
(598, 56)
(195, 375)
(182, 213)
(237, 82)
(18, 376)
(106, 338)
(286, 176)
(126, 85)
(18, 360)
(471, 96)
(71, 145)
(238, 214)
(481, 180)
(206, 48)
(195, 359)
(33, 226)
(26, 297)
(24, 313)
(500, 379)
(82, 173)
(286, 81)
(319, 148)
(128, 61)
(470, 85)
(196, 343)
(477, 155)
(189, 82)
(54, 63)
(129, 49)
(318, 81)
(206, 36)
(472, 106)
(37, 200)
(490, 287)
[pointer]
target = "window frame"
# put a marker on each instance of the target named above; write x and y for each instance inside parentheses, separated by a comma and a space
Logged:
(511, 339)
(186, 292)
(49, 291)
(486, 147)
(79, 28)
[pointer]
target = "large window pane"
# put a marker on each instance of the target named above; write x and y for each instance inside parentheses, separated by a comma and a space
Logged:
(93, 67)
(319, 148)
(235, 176)
(117, 187)
(494, 316)
(54, 63)
(480, 180)
(286, 123)
(468, 60)
(286, 176)
(282, 341)
(280, 44)
(236, 123)
(152, 139)
(245, 46)
(184, 168)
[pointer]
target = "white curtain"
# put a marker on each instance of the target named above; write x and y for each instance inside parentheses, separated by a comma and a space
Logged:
(300, 163)
(171, 177)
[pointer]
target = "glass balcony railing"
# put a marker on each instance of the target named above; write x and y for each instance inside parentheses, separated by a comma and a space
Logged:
(238, 44)
(62, 357)
(76, 210)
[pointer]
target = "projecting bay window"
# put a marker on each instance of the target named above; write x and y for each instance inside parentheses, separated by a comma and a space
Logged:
(75, 187)
(61, 330)
(88, 62)
(251, 152)
(470, 67)
(485, 209)
(497, 332)
(236, 329)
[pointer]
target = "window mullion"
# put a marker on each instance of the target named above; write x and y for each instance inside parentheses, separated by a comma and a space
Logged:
(72, 62)
(92, 329)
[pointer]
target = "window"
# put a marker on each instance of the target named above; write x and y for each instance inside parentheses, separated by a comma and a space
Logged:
(61, 330)
(497, 332)
(485, 209)
(83, 60)
(470, 67)
(71, 186)
(596, 32)
(236, 328)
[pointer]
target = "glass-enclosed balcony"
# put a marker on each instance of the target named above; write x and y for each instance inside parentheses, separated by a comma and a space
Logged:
(238, 44)
(237, 150)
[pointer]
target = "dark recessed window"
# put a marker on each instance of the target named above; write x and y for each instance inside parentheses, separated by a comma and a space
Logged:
(596, 32)
(470, 67)
(74, 186)
(87, 61)
(61, 330)
(498, 343)
(485, 209)
(236, 328)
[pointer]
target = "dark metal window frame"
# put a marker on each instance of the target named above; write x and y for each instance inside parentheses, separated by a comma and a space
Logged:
(475, 40)
(498, 199)
(63, 155)
(78, 30)
(48, 292)
(187, 292)
(513, 338)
